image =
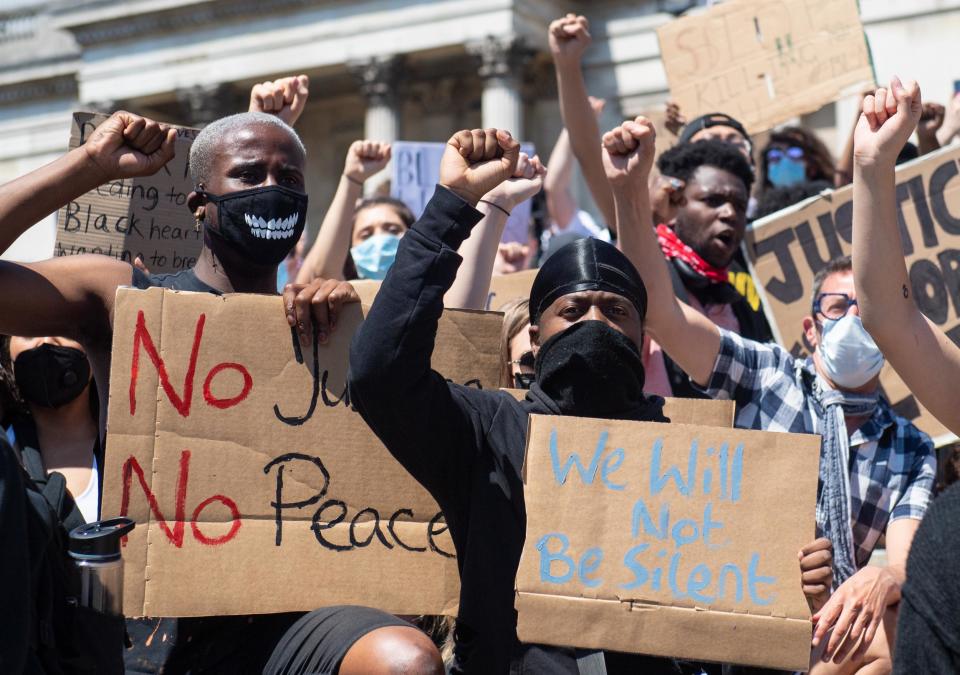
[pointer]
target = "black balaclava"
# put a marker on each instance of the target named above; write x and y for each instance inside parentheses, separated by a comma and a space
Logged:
(591, 369)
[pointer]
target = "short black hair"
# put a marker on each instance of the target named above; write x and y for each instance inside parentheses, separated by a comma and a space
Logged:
(682, 161)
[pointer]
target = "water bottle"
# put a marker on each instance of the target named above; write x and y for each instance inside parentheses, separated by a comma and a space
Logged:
(95, 549)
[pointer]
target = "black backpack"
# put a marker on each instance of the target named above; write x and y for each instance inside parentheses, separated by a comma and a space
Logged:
(42, 627)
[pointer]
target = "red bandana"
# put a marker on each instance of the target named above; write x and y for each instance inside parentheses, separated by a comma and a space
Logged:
(672, 247)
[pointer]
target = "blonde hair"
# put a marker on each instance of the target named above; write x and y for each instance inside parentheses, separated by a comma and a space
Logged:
(516, 316)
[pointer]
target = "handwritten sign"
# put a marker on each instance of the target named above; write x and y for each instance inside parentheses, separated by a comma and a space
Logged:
(674, 540)
(786, 249)
(125, 218)
(765, 61)
(416, 172)
(255, 486)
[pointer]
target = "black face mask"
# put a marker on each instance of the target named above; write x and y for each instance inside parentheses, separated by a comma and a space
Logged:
(593, 370)
(50, 375)
(263, 224)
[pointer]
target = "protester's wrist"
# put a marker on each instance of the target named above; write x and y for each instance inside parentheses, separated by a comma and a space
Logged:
(869, 164)
(463, 194)
(498, 203)
(88, 167)
(352, 180)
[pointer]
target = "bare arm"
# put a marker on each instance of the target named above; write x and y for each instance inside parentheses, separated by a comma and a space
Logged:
(479, 251)
(569, 38)
(561, 204)
(922, 355)
(329, 251)
(67, 296)
(690, 338)
(951, 121)
(931, 119)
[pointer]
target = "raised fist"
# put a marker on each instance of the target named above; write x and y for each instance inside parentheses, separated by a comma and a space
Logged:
(526, 181)
(675, 121)
(286, 98)
(366, 159)
(127, 146)
(569, 38)
(474, 162)
(931, 119)
(887, 120)
(628, 152)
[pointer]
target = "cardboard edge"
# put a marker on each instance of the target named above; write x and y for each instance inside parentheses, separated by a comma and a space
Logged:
(151, 527)
(732, 637)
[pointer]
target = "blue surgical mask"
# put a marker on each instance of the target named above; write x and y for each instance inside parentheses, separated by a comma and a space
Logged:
(787, 171)
(849, 355)
(374, 256)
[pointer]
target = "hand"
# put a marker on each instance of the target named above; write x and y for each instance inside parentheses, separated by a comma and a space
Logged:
(569, 38)
(139, 264)
(127, 146)
(951, 121)
(365, 159)
(474, 162)
(628, 152)
(857, 608)
(511, 257)
(931, 119)
(527, 180)
(675, 121)
(816, 572)
(888, 119)
(286, 98)
(321, 301)
(597, 105)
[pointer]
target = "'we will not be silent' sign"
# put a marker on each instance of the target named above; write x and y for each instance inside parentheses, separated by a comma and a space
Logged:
(674, 540)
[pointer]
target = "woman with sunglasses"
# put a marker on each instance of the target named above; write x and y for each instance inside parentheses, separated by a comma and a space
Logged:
(794, 155)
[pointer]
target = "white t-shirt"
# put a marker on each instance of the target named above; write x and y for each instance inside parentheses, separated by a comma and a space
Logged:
(88, 501)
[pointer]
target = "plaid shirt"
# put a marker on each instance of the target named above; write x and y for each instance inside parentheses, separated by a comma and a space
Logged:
(892, 463)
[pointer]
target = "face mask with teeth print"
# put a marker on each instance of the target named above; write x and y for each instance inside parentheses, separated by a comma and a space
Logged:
(263, 224)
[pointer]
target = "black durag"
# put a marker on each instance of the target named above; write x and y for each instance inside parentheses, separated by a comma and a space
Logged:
(591, 369)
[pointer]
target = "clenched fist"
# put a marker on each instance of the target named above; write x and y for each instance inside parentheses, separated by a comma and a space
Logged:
(474, 162)
(569, 38)
(286, 98)
(889, 117)
(365, 159)
(628, 152)
(127, 146)
(526, 181)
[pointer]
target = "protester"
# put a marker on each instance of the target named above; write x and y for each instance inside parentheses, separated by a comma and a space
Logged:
(717, 127)
(876, 468)
(794, 155)
(516, 353)
(928, 632)
(587, 308)
(252, 163)
(777, 199)
(708, 202)
(357, 239)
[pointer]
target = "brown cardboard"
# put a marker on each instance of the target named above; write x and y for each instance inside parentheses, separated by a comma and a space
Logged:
(205, 454)
(126, 218)
(786, 249)
(765, 61)
(750, 517)
(503, 288)
(705, 412)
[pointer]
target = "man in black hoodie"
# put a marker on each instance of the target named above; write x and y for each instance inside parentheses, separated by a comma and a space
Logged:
(466, 446)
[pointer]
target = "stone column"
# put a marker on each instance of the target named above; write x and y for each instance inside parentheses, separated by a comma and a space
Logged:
(502, 61)
(379, 78)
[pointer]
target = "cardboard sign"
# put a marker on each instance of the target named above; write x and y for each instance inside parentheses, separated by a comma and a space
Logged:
(786, 249)
(673, 540)
(416, 172)
(705, 412)
(503, 288)
(130, 217)
(255, 487)
(765, 61)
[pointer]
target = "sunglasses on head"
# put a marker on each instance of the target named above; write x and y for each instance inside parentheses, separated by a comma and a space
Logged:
(774, 155)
